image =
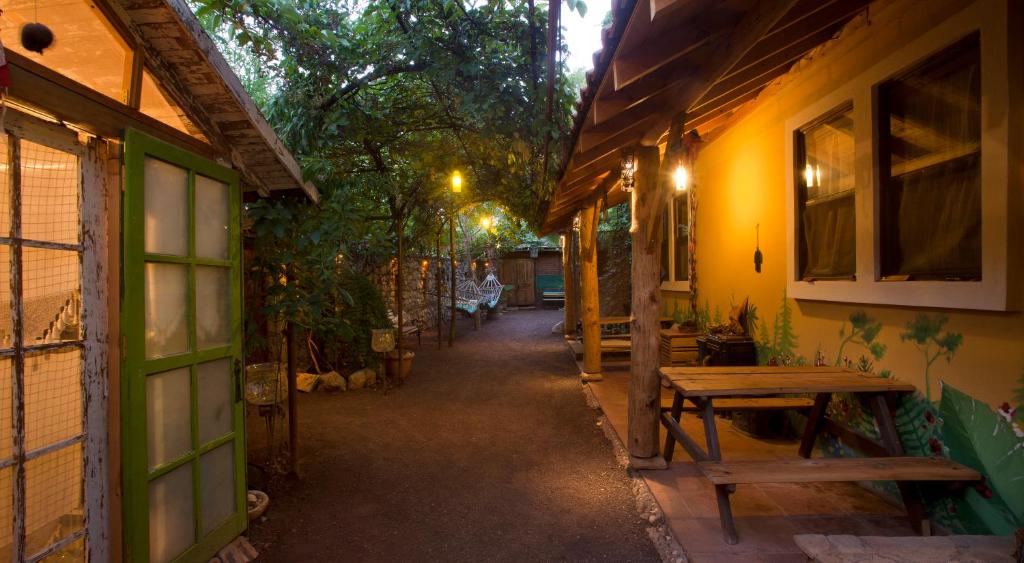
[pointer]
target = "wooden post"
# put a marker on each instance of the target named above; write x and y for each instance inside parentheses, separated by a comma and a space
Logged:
(644, 385)
(437, 283)
(451, 284)
(400, 333)
(293, 414)
(567, 284)
(591, 305)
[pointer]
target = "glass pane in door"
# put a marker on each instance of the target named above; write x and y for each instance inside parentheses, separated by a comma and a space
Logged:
(213, 306)
(212, 217)
(168, 415)
(171, 521)
(216, 400)
(217, 474)
(53, 497)
(166, 204)
(166, 303)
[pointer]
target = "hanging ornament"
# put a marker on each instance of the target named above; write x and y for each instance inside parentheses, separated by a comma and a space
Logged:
(758, 257)
(36, 37)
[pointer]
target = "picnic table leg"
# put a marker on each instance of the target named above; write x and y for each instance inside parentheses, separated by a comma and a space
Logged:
(677, 413)
(814, 420)
(722, 492)
(883, 409)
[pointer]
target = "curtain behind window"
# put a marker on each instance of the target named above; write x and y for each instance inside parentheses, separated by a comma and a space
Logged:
(826, 177)
(931, 163)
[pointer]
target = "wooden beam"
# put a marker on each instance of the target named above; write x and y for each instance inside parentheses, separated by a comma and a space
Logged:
(568, 285)
(589, 218)
(644, 381)
(754, 26)
(656, 51)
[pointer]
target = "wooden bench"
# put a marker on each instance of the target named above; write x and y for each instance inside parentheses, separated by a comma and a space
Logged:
(753, 404)
(708, 386)
(836, 469)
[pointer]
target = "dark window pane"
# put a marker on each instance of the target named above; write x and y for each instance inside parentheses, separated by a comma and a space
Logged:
(825, 179)
(930, 157)
(680, 207)
(665, 220)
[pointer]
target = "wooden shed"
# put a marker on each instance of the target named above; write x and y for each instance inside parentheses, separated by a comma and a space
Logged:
(127, 146)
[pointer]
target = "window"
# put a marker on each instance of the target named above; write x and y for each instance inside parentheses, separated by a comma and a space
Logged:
(930, 168)
(824, 168)
(675, 268)
(87, 49)
(41, 351)
(918, 168)
(155, 103)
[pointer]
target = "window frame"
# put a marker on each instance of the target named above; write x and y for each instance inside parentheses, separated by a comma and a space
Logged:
(989, 293)
(670, 283)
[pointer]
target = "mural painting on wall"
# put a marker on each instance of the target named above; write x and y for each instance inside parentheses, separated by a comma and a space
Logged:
(956, 426)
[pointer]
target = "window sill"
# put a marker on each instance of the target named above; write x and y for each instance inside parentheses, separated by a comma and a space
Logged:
(680, 286)
(985, 295)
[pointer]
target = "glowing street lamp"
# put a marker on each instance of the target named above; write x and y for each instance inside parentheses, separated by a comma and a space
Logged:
(456, 182)
(485, 222)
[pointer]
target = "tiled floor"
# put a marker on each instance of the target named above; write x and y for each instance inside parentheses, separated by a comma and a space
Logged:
(767, 515)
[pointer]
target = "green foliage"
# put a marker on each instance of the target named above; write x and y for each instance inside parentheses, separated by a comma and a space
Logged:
(925, 332)
(981, 439)
(863, 331)
(367, 312)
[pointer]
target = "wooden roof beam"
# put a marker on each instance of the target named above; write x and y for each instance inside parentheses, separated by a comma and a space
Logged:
(655, 51)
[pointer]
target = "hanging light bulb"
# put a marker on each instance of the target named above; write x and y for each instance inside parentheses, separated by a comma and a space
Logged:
(681, 177)
(456, 182)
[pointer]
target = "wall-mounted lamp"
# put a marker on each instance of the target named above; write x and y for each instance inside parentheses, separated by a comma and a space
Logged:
(681, 178)
(576, 223)
(627, 165)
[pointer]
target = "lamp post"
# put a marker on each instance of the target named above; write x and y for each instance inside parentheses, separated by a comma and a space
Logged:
(456, 188)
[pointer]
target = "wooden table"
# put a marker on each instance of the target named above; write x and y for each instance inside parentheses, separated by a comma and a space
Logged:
(626, 320)
(702, 385)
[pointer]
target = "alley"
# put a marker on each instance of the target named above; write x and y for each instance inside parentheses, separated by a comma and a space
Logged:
(487, 452)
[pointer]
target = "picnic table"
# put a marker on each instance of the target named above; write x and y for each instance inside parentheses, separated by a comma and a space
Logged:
(712, 389)
(625, 320)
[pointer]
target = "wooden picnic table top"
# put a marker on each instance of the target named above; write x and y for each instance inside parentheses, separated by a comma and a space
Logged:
(730, 381)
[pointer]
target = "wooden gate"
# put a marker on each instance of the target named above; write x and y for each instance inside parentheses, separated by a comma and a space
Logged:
(519, 272)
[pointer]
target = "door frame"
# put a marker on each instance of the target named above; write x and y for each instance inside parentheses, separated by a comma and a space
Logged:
(135, 472)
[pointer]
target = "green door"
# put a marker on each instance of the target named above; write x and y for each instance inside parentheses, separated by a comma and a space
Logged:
(184, 445)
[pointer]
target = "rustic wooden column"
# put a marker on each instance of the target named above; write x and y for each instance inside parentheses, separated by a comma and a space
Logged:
(569, 286)
(589, 292)
(644, 384)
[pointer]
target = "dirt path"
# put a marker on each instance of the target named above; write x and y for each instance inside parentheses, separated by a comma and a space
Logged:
(486, 453)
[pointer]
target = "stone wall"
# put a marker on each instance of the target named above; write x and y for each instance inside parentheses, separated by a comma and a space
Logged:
(419, 289)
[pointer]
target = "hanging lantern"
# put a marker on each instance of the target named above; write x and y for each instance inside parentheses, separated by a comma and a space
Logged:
(576, 222)
(628, 170)
(681, 177)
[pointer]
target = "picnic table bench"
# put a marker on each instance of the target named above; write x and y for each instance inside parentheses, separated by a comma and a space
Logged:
(711, 389)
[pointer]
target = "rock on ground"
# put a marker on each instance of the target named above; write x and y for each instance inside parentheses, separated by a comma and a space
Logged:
(362, 378)
(332, 382)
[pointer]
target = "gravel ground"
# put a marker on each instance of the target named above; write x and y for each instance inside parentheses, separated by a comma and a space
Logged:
(488, 452)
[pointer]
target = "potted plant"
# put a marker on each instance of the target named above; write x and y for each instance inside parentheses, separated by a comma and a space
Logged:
(391, 362)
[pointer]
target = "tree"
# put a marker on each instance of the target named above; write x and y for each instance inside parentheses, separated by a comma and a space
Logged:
(925, 331)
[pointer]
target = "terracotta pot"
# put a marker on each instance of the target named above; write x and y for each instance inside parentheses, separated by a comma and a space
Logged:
(392, 364)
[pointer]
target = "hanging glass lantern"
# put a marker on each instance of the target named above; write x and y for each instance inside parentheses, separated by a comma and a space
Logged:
(382, 340)
(576, 222)
(627, 166)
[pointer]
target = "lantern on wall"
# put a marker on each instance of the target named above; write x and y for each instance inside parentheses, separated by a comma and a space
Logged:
(576, 222)
(627, 167)
(681, 177)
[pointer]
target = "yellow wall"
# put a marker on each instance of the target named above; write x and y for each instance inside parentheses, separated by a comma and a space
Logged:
(741, 181)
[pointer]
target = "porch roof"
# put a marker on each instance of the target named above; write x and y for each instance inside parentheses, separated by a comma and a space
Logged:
(661, 58)
(184, 58)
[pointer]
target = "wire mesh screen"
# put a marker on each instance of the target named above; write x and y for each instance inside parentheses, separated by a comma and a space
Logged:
(41, 386)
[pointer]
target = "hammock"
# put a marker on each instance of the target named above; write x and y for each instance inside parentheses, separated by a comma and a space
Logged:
(491, 289)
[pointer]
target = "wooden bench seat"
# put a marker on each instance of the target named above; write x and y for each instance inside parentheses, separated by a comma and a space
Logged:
(836, 469)
(753, 404)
